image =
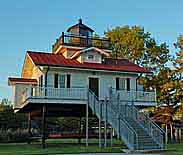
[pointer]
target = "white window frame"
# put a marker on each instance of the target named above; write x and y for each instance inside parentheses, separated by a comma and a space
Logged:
(65, 82)
(125, 83)
(88, 57)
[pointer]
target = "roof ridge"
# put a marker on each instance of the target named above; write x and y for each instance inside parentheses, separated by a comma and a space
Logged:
(39, 52)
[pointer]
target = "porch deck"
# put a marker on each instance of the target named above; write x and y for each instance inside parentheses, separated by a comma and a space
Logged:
(48, 95)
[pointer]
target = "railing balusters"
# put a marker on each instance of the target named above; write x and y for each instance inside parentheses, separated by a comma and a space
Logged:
(49, 92)
(139, 96)
(143, 119)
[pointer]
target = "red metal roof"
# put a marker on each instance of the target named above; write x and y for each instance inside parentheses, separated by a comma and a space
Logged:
(50, 59)
(12, 80)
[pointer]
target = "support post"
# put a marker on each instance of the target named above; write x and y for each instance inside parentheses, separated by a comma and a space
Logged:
(166, 134)
(171, 132)
(99, 126)
(79, 140)
(176, 135)
(180, 135)
(111, 135)
(29, 126)
(105, 126)
(43, 125)
(87, 120)
(118, 103)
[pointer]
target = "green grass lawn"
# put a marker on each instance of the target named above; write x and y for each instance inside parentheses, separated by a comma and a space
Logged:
(56, 147)
(65, 146)
(175, 149)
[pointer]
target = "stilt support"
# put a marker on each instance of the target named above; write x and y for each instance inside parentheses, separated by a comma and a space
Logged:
(43, 126)
(80, 130)
(99, 125)
(29, 127)
(87, 121)
(105, 125)
(111, 136)
(166, 133)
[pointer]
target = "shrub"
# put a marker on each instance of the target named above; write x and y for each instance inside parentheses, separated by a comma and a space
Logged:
(10, 135)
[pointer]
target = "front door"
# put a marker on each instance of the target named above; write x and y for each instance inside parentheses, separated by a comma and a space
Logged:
(94, 85)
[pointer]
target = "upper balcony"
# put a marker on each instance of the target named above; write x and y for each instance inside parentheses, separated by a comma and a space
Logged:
(81, 41)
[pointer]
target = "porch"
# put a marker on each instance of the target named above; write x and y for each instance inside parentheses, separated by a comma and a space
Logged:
(73, 96)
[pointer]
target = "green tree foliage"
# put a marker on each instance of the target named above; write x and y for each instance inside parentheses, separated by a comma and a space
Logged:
(178, 69)
(9, 119)
(139, 47)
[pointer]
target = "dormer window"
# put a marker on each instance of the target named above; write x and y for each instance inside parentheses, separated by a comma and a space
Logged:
(90, 57)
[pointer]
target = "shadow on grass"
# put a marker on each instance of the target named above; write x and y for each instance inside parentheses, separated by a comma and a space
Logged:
(58, 147)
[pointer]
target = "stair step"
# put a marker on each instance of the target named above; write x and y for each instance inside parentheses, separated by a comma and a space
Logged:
(145, 141)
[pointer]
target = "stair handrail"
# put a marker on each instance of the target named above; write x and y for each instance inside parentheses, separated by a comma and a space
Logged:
(151, 123)
(149, 128)
(126, 122)
(120, 117)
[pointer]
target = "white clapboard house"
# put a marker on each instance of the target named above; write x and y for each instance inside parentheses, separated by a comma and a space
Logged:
(79, 78)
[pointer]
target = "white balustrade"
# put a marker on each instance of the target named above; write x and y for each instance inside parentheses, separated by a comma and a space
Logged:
(137, 96)
(54, 93)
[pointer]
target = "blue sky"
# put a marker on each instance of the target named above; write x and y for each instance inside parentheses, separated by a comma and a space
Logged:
(35, 24)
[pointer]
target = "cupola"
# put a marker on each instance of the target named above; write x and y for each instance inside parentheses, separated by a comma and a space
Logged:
(80, 29)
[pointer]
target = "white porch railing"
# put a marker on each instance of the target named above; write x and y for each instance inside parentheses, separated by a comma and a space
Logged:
(81, 94)
(137, 96)
(54, 93)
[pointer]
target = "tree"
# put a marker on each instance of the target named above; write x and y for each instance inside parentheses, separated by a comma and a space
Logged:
(139, 47)
(178, 69)
(8, 118)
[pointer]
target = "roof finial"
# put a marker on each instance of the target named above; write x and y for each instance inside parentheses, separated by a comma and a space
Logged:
(80, 21)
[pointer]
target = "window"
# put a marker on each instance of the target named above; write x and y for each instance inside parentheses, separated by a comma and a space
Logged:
(62, 81)
(41, 81)
(68, 80)
(56, 81)
(117, 83)
(128, 84)
(123, 84)
(90, 57)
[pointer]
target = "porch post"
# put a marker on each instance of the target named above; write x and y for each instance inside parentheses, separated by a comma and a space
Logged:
(166, 134)
(43, 125)
(99, 124)
(79, 140)
(87, 120)
(171, 132)
(29, 126)
(180, 135)
(118, 103)
(111, 135)
(105, 126)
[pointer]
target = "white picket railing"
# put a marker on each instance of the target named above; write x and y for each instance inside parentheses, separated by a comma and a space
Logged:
(137, 96)
(54, 93)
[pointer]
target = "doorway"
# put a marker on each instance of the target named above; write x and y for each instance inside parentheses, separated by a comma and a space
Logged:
(94, 85)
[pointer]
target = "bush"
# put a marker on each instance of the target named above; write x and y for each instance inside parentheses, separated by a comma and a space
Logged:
(10, 135)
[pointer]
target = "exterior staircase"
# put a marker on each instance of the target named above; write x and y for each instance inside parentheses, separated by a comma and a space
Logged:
(135, 128)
